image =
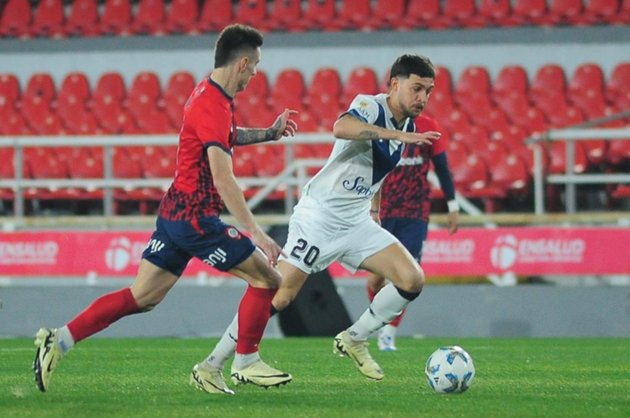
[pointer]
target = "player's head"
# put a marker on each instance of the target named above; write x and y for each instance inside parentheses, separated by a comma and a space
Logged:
(411, 82)
(239, 46)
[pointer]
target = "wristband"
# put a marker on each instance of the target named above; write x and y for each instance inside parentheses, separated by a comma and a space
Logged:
(453, 206)
(374, 212)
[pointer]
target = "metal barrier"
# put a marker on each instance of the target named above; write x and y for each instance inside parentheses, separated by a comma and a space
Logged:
(571, 179)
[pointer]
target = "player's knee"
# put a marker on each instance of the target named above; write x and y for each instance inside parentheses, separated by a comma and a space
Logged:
(282, 299)
(412, 280)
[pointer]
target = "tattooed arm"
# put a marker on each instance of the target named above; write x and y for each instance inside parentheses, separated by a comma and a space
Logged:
(283, 126)
(247, 136)
(349, 127)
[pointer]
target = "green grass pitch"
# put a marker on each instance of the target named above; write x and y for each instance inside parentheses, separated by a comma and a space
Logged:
(149, 378)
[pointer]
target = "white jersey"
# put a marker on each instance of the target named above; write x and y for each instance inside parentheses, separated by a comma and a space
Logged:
(355, 169)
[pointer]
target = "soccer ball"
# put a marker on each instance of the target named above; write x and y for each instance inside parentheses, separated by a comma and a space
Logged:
(449, 370)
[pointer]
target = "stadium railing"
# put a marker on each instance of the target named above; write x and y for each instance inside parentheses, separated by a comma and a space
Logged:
(582, 132)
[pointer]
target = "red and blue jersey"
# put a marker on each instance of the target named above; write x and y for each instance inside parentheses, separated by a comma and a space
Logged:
(406, 190)
(208, 121)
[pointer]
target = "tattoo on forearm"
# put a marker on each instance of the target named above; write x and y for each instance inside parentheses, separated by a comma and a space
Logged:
(368, 135)
(246, 136)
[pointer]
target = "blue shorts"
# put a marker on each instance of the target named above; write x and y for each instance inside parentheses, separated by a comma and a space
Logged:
(410, 232)
(217, 244)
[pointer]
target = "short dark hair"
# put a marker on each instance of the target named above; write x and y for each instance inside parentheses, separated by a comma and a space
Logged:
(408, 64)
(233, 40)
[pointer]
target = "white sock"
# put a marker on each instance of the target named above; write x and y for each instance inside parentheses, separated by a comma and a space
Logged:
(225, 347)
(387, 305)
(66, 342)
(243, 360)
(388, 331)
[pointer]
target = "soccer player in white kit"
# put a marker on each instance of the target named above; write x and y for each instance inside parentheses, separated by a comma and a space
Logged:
(333, 221)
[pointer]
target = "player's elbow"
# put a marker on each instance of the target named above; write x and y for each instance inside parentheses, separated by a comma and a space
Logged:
(340, 129)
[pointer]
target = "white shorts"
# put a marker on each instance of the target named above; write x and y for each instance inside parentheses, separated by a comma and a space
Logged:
(315, 241)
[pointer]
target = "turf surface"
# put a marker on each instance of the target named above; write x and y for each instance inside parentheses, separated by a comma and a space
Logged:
(149, 378)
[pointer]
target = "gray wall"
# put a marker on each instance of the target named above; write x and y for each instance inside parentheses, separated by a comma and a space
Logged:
(441, 311)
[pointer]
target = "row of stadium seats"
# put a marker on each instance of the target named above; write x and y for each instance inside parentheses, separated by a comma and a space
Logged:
(487, 121)
(49, 18)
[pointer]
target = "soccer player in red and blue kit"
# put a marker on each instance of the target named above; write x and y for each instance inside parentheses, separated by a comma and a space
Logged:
(405, 206)
(188, 225)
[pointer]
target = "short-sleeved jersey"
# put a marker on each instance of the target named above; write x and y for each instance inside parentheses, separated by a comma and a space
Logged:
(406, 189)
(208, 121)
(355, 169)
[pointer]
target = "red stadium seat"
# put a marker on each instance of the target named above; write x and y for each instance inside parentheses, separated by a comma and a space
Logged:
(565, 12)
(618, 152)
(288, 90)
(510, 173)
(456, 121)
(472, 179)
(16, 19)
(149, 17)
(512, 79)
(81, 123)
(387, 14)
(354, 14)
(491, 152)
(321, 14)
(35, 110)
(558, 159)
(475, 105)
(599, 12)
(461, 13)
(306, 122)
(215, 15)
(75, 84)
(13, 123)
(177, 91)
(513, 138)
(268, 160)
(443, 81)
(474, 80)
(83, 19)
(111, 84)
(530, 12)
(258, 85)
(9, 92)
(361, 80)
(154, 121)
(144, 94)
(243, 167)
(491, 118)
(182, 17)
(618, 82)
(324, 91)
(116, 17)
(513, 104)
(549, 79)
(48, 167)
(286, 15)
(254, 13)
(587, 84)
(565, 117)
(41, 85)
(180, 83)
(495, 12)
(160, 167)
(423, 14)
(48, 19)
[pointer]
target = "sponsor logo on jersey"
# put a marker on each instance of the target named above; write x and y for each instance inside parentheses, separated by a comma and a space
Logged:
(217, 256)
(411, 161)
(358, 186)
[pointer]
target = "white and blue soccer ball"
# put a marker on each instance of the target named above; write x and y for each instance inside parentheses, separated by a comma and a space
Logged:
(449, 370)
